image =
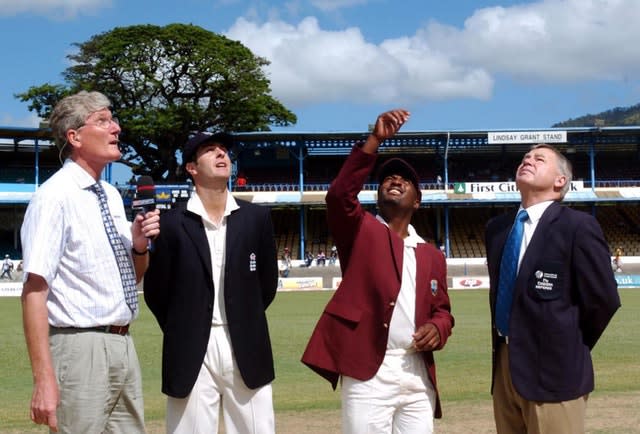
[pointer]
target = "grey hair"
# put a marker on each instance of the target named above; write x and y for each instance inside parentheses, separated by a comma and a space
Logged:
(564, 166)
(71, 112)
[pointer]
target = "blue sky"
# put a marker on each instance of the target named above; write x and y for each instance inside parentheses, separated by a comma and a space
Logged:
(456, 65)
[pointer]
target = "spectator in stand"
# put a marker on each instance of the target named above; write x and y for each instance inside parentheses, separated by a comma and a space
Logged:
(308, 259)
(443, 250)
(285, 263)
(321, 258)
(7, 267)
(617, 260)
(333, 256)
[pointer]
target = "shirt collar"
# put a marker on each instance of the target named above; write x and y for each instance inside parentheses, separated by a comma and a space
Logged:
(80, 176)
(535, 211)
(412, 239)
(195, 205)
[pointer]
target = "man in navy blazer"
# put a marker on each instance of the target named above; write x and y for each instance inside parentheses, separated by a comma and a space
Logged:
(391, 310)
(564, 296)
(212, 275)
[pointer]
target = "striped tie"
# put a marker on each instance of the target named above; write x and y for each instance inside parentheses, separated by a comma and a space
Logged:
(125, 266)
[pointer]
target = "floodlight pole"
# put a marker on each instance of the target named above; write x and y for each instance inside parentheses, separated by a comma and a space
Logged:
(37, 163)
(446, 187)
(592, 162)
(301, 188)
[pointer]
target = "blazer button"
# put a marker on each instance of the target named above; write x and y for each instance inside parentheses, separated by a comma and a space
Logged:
(385, 325)
(393, 303)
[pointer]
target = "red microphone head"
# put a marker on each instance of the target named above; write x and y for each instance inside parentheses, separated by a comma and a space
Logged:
(145, 199)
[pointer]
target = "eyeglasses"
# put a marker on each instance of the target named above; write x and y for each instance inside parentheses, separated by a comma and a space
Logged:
(103, 123)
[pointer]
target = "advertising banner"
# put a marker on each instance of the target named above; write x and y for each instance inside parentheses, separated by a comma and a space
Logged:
(299, 283)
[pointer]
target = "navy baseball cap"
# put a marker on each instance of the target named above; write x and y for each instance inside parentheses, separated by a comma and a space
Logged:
(398, 166)
(195, 142)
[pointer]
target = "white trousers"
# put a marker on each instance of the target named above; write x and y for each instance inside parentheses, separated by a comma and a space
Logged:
(219, 384)
(399, 399)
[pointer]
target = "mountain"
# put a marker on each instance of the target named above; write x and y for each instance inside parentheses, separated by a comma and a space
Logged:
(619, 116)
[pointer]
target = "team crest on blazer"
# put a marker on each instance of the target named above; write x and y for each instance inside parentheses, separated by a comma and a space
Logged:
(434, 286)
(547, 282)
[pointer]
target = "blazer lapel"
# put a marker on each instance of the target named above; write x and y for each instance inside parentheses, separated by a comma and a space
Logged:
(194, 228)
(397, 251)
(503, 234)
(234, 227)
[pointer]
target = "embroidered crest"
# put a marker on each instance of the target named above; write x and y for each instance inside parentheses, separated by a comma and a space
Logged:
(434, 286)
(252, 262)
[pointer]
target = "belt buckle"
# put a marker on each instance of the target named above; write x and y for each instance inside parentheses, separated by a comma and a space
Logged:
(116, 330)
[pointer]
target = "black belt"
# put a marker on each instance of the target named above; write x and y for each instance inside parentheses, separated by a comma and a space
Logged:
(113, 329)
(502, 339)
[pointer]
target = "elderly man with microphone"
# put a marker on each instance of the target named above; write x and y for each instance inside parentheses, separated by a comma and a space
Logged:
(82, 260)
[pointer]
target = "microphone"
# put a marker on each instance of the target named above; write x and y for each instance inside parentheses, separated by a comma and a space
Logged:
(145, 198)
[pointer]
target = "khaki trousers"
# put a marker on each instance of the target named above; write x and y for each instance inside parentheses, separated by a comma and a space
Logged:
(99, 381)
(513, 414)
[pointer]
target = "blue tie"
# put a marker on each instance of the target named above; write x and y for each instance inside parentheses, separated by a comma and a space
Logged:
(127, 274)
(508, 273)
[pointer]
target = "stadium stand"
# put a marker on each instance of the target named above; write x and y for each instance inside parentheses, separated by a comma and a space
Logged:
(290, 172)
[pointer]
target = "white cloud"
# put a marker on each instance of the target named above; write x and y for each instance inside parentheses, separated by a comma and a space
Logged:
(557, 41)
(58, 9)
(552, 40)
(311, 65)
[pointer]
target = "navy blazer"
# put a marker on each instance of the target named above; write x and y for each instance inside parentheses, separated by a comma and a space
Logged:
(178, 288)
(565, 295)
(351, 335)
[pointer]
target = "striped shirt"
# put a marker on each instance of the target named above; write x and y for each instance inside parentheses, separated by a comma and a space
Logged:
(64, 241)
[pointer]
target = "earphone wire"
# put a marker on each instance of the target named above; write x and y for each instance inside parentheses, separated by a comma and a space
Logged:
(60, 153)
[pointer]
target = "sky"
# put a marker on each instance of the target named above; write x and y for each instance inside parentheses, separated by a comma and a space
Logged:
(337, 64)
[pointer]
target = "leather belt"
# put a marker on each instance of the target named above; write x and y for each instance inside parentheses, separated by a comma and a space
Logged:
(502, 339)
(113, 329)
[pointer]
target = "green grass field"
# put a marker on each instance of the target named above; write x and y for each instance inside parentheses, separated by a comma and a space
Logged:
(463, 366)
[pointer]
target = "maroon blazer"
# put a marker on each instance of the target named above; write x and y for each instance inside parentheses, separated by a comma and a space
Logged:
(350, 337)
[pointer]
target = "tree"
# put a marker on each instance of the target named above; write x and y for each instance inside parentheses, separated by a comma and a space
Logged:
(166, 83)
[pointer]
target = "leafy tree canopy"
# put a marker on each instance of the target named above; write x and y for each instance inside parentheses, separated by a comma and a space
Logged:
(164, 84)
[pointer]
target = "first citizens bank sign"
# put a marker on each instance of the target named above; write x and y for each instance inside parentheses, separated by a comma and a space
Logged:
(499, 187)
(513, 137)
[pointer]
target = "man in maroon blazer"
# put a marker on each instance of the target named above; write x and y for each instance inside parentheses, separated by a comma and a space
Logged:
(548, 316)
(391, 311)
